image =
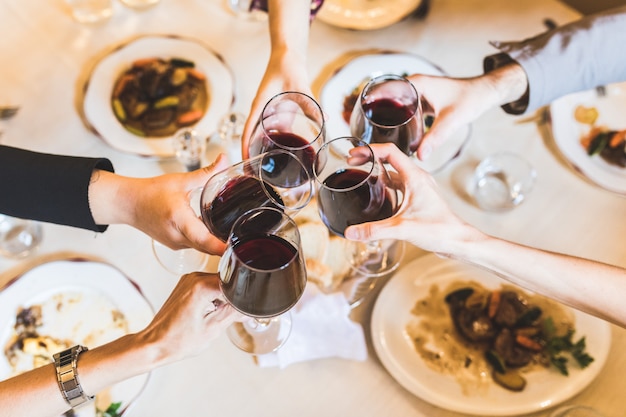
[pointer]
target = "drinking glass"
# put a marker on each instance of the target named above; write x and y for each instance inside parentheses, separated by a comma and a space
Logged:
(262, 275)
(189, 150)
(502, 181)
(352, 187)
(19, 237)
(252, 10)
(256, 182)
(389, 110)
(291, 121)
(90, 11)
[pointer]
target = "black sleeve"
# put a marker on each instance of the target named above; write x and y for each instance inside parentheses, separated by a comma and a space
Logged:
(48, 188)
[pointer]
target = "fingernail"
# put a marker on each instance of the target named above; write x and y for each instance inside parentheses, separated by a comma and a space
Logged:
(352, 233)
(425, 151)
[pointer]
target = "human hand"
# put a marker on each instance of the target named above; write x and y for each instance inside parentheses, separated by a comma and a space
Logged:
(456, 102)
(189, 320)
(285, 72)
(423, 219)
(158, 206)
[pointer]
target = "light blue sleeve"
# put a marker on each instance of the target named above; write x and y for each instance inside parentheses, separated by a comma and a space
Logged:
(581, 55)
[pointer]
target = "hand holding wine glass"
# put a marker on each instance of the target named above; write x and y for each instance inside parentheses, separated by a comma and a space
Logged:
(262, 181)
(262, 275)
(354, 187)
(291, 121)
(389, 110)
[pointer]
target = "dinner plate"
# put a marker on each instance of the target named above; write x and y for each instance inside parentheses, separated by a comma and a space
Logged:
(392, 313)
(365, 14)
(361, 68)
(567, 133)
(90, 291)
(98, 88)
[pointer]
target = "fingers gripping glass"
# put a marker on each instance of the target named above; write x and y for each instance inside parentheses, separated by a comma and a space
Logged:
(353, 187)
(262, 275)
(389, 110)
(257, 182)
(293, 122)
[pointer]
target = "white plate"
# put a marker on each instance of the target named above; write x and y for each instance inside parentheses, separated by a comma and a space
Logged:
(392, 312)
(93, 281)
(370, 65)
(97, 91)
(567, 133)
(365, 14)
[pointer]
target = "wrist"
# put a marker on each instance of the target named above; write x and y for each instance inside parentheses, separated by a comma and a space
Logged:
(510, 84)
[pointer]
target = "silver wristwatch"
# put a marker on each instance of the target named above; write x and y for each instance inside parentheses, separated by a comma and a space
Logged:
(67, 376)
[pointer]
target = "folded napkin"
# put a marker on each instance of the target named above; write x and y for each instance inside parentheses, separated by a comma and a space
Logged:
(321, 328)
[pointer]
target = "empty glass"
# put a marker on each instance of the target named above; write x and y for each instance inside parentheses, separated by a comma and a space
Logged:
(90, 11)
(502, 181)
(19, 237)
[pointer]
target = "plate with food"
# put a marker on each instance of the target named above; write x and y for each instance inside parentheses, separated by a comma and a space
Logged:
(589, 130)
(145, 90)
(465, 340)
(59, 304)
(341, 90)
(365, 14)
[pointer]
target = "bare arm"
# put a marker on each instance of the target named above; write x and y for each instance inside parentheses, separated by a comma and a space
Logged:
(158, 206)
(425, 220)
(182, 328)
(286, 67)
(456, 102)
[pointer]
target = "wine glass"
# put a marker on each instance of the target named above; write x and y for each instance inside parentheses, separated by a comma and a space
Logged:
(262, 181)
(252, 10)
(353, 187)
(189, 149)
(262, 275)
(291, 121)
(389, 110)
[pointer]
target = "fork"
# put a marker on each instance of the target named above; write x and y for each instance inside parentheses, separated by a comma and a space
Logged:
(8, 112)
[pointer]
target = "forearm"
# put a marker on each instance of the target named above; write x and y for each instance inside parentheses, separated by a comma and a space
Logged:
(589, 286)
(111, 198)
(573, 57)
(36, 393)
(289, 28)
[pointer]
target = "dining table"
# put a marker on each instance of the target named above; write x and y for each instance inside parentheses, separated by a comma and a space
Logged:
(46, 57)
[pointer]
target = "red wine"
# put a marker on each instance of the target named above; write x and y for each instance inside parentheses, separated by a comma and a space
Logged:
(392, 122)
(284, 166)
(266, 276)
(341, 205)
(239, 195)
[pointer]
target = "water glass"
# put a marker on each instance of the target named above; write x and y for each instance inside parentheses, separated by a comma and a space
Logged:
(19, 237)
(502, 181)
(90, 11)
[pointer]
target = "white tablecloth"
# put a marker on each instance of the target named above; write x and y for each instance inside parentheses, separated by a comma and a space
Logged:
(43, 53)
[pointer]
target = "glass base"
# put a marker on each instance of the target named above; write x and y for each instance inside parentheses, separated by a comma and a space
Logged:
(260, 336)
(179, 262)
(377, 258)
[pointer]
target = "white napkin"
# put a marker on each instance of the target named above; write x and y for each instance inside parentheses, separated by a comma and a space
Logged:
(321, 328)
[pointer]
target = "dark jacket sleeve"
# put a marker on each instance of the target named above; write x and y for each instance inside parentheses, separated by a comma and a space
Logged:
(48, 188)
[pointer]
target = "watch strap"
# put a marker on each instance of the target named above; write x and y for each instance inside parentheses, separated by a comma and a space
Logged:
(67, 376)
